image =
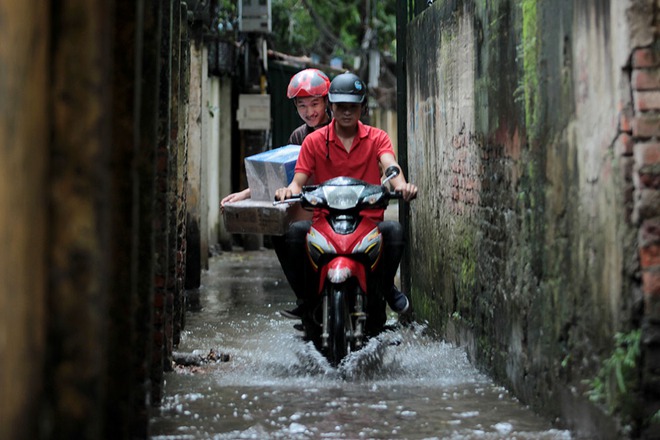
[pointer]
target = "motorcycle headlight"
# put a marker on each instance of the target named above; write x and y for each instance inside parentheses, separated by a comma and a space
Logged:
(342, 197)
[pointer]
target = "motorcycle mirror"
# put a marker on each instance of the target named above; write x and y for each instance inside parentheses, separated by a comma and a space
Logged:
(391, 172)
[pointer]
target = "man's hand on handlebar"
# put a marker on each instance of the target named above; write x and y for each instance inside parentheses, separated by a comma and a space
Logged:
(288, 192)
(283, 193)
(407, 190)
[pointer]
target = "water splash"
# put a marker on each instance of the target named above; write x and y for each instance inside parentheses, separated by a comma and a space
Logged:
(368, 362)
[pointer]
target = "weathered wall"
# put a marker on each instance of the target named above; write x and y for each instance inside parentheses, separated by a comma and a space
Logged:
(79, 251)
(203, 167)
(92, 131)
(213, 159)
(24, 133)
(225, 119)
(524, 233)
(207, 130)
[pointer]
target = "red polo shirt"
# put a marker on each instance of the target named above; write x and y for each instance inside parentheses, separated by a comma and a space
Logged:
(324, 162)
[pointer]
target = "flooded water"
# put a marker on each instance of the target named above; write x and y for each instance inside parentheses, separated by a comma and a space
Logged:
(405, 385)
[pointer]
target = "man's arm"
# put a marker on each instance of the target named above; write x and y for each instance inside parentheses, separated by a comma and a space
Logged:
(408, 190)
(235, 197)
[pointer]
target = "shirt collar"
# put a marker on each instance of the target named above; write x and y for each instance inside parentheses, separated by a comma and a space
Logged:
(363, 130)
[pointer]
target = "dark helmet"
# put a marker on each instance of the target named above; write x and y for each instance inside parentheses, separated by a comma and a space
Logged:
(308, 82)
(347, 87)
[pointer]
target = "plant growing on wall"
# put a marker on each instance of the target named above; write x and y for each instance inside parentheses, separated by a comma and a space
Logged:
(618, 378)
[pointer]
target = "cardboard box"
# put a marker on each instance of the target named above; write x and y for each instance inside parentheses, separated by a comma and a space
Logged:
(258, 217)
(270, 170)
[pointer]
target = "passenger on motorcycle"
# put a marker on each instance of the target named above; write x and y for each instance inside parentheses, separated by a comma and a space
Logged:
(309, 91)
(345, 147)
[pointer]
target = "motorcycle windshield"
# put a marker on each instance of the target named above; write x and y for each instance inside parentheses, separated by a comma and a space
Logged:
(342, 197)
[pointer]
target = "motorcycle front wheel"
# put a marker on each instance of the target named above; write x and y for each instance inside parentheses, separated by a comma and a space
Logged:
(340, 328)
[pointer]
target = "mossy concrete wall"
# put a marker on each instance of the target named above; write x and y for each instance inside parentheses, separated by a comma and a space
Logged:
(523, 242)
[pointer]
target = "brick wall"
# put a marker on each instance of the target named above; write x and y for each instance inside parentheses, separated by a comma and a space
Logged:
(644, 148)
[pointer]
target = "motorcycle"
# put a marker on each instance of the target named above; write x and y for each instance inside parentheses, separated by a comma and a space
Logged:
(344, 247)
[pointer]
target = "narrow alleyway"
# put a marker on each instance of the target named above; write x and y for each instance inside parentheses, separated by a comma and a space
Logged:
(273, 385)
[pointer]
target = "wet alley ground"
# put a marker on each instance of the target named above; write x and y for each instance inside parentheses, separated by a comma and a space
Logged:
(405, 385)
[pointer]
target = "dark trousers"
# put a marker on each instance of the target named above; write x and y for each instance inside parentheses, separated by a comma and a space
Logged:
(292, 253)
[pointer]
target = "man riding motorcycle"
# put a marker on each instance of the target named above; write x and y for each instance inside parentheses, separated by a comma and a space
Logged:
(346, 147)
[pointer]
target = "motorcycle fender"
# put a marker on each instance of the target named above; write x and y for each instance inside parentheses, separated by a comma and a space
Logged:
(342, 268)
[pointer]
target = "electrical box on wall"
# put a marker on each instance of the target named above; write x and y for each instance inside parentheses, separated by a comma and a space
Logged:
(255, 16)
(253, 112)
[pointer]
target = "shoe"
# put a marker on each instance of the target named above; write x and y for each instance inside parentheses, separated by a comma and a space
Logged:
(292, 314)
(398, 301)
(299, 327)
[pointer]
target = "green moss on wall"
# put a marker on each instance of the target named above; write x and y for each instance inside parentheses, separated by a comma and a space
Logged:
(530, 63)
(465, 270)
(427, 310)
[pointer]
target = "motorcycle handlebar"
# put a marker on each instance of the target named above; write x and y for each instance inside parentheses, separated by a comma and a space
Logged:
(298, 197)
(293, 199)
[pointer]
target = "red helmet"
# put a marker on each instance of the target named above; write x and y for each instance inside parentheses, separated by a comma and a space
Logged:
(308, 82)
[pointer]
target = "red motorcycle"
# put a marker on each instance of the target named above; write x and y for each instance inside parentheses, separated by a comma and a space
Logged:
(344, 247)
